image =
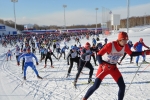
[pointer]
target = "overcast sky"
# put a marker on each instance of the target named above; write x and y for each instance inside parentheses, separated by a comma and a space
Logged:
(77, 12)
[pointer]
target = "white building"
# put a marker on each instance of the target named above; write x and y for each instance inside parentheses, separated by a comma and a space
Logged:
(28, 26)
(5, 30)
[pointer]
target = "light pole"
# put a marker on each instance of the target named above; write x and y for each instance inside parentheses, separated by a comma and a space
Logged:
(64, 16)
(96, 19)
(145, 19)
(14, 1)
(128, 16)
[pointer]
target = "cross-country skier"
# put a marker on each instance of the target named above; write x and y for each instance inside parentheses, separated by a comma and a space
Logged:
(17, 52)
(29, 62)
(9, 54)
(48, 56)
(94, 50)
(74, 57)
(85, 62)
(113, 50)
(63, 51)
(138, 47)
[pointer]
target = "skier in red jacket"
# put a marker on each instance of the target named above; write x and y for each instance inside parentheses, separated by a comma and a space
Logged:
(113, 51)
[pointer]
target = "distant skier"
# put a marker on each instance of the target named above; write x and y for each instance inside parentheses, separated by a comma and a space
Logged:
(74, 57)
(85, 62)
(29, 62)
(48, 56)
(9, 54)
(63, 51)
(138, 47)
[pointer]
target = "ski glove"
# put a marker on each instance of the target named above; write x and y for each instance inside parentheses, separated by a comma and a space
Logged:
(18, 63)
(37, 63)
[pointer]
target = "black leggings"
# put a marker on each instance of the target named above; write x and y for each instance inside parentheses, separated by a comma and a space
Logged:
(71, 63)
(97, 83)
(49, 59)
(84, 64)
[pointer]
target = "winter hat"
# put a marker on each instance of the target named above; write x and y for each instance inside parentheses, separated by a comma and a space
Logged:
(87, 45)
(73, 47)
(122, 35)
(141, 39)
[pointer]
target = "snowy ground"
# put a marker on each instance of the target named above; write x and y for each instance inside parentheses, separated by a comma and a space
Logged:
(55, 85)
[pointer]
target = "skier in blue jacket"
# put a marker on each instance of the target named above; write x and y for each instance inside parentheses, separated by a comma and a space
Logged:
(29, 62)
(138, 47)
(63, 51)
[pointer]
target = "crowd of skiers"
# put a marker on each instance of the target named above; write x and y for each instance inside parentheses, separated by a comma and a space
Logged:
(81, 55)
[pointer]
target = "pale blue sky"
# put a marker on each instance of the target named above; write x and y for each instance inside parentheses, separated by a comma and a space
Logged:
(51, 12)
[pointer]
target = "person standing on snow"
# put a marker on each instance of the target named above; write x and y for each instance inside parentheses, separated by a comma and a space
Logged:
(48, 56)
(94, 41)
(85, 62)
(138, 47)
(94, 50)
(29, 62)
(17, 52)
(57, 48)
(113, 50)
(63, 51)
(74, 57)
(9, 54)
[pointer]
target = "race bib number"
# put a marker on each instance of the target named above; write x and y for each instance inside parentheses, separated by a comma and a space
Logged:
(113, 58)
(87, 58)
(73, 55)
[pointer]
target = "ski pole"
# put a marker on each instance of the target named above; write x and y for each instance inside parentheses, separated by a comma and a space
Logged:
(146, 67)
(133, 78)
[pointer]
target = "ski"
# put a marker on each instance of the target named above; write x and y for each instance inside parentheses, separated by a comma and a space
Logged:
(87, 83)
(74, 85)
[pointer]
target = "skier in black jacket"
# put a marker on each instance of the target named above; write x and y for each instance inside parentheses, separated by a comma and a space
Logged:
(74, 57)
(48, 56)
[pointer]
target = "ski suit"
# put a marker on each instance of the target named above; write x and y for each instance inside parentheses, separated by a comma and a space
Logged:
(29, 62)
(85, 62)
(138, 47)
(48, 56)
(73, 55)
(113, 52)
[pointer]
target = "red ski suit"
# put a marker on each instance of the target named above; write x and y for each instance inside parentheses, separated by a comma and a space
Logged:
(105, 68)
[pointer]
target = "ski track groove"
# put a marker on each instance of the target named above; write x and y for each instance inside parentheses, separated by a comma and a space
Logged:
(33, 84)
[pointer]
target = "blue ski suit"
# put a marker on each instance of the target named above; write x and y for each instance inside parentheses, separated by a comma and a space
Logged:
(29, 62)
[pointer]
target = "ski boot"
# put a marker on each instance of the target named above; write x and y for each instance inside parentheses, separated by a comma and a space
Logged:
(39, 77)
(131, 62)
(52, 66)
(144, 62)
(74, 83)
(89, 80)
(45, 66)
(24, 78)
(68, 75)
(136, 64)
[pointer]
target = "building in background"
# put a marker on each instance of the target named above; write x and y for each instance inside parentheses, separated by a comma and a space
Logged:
(6, 30)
